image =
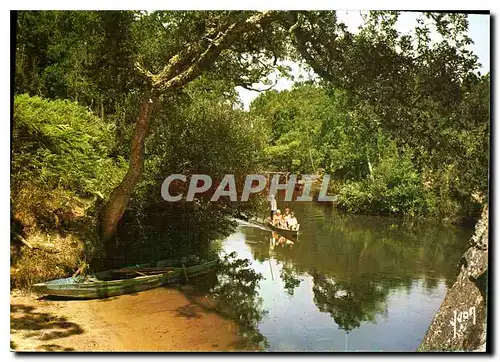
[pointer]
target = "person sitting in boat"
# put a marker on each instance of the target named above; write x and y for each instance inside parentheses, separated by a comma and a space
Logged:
(286, 215)
(292, 222)
(274, 218)
(278, 219)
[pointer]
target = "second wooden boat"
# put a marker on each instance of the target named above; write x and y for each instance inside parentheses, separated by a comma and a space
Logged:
(126, 280)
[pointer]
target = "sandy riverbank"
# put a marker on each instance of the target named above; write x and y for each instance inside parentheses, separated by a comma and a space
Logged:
(162, 319)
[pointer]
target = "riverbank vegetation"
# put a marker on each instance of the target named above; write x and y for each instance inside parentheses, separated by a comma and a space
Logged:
(61, 171)
(107, 104)
(438, 167)
(400, 122)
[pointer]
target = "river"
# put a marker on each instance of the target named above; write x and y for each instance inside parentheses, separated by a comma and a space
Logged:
(351, 282)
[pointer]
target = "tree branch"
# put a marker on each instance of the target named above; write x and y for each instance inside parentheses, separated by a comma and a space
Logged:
(221, 42)
(302, 39)
(250, 88)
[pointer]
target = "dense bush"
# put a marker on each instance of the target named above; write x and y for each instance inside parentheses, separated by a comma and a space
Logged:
(394, 188)
(293, 119)
(60, 143)
(200, 133)
(60, 173)
(313, 129)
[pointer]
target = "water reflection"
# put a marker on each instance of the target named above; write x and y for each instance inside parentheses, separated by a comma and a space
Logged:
(378, 279)
(348, 303)
(235, 291)
(278, 240)
(290, 277)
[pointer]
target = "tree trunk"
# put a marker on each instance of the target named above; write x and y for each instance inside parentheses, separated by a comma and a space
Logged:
(370, 168)
(119, 198)
(181, 69)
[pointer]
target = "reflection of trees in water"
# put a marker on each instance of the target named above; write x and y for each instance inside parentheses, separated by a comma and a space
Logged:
(145, 236)
(340, 244)
(290, 277)
(356, 261)
(237, 297)
(349, 303)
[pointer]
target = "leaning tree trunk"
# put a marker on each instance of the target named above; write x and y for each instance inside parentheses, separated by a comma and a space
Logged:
(180, 69)
(460, 323)
(119, 198)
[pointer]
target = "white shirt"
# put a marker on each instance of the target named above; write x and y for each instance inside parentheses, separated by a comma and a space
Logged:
(274, 205)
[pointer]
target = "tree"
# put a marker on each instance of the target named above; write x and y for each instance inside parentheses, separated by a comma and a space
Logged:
(219, 32)
(200, 133)
(126, 66)
(293, 120)
(114, 61)
(416, 91)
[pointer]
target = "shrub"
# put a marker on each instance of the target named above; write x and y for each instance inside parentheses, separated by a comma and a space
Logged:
(395, 188)
(60, 143)
(61, 170)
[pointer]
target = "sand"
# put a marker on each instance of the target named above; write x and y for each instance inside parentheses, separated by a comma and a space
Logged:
(162, 319)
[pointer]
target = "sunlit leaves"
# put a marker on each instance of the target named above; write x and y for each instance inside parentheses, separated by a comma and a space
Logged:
(60, 143)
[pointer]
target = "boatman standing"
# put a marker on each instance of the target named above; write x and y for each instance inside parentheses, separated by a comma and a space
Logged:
(274, 205)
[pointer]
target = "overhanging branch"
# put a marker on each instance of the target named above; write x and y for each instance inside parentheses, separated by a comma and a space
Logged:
(295, 27)
(206, 57)
(250, 88)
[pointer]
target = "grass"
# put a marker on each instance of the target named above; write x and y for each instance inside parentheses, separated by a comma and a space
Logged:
(57, 257)
(60, 227)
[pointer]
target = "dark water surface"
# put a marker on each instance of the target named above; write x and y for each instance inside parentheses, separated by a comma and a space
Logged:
(351, 283)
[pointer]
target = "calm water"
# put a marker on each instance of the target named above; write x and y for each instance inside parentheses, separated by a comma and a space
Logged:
(351, 283)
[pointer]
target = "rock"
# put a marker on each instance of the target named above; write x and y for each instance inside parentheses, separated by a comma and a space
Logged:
(460, 323)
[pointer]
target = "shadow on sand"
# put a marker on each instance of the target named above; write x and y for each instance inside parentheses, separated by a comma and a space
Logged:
(44, 326)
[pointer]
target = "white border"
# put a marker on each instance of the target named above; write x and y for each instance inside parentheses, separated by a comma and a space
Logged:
(254, 5)
(186, 4)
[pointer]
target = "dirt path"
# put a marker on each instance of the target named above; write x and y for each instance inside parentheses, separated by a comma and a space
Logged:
(161, 319)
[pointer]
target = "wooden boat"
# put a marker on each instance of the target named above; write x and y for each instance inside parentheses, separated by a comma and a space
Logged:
(120, 281)
(287, 233)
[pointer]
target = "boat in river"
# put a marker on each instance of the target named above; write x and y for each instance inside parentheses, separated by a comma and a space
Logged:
(287, 233)
(120, 281)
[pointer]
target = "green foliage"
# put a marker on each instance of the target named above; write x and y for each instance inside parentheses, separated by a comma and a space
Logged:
(61, 144)
(414, 111)
(199, 133)
(90, 56)
(419, 93)
(202, 133)
(60, 172)
(396, 188)
(317, 123)
(293, 120)
(382, 87)
(85, 56)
